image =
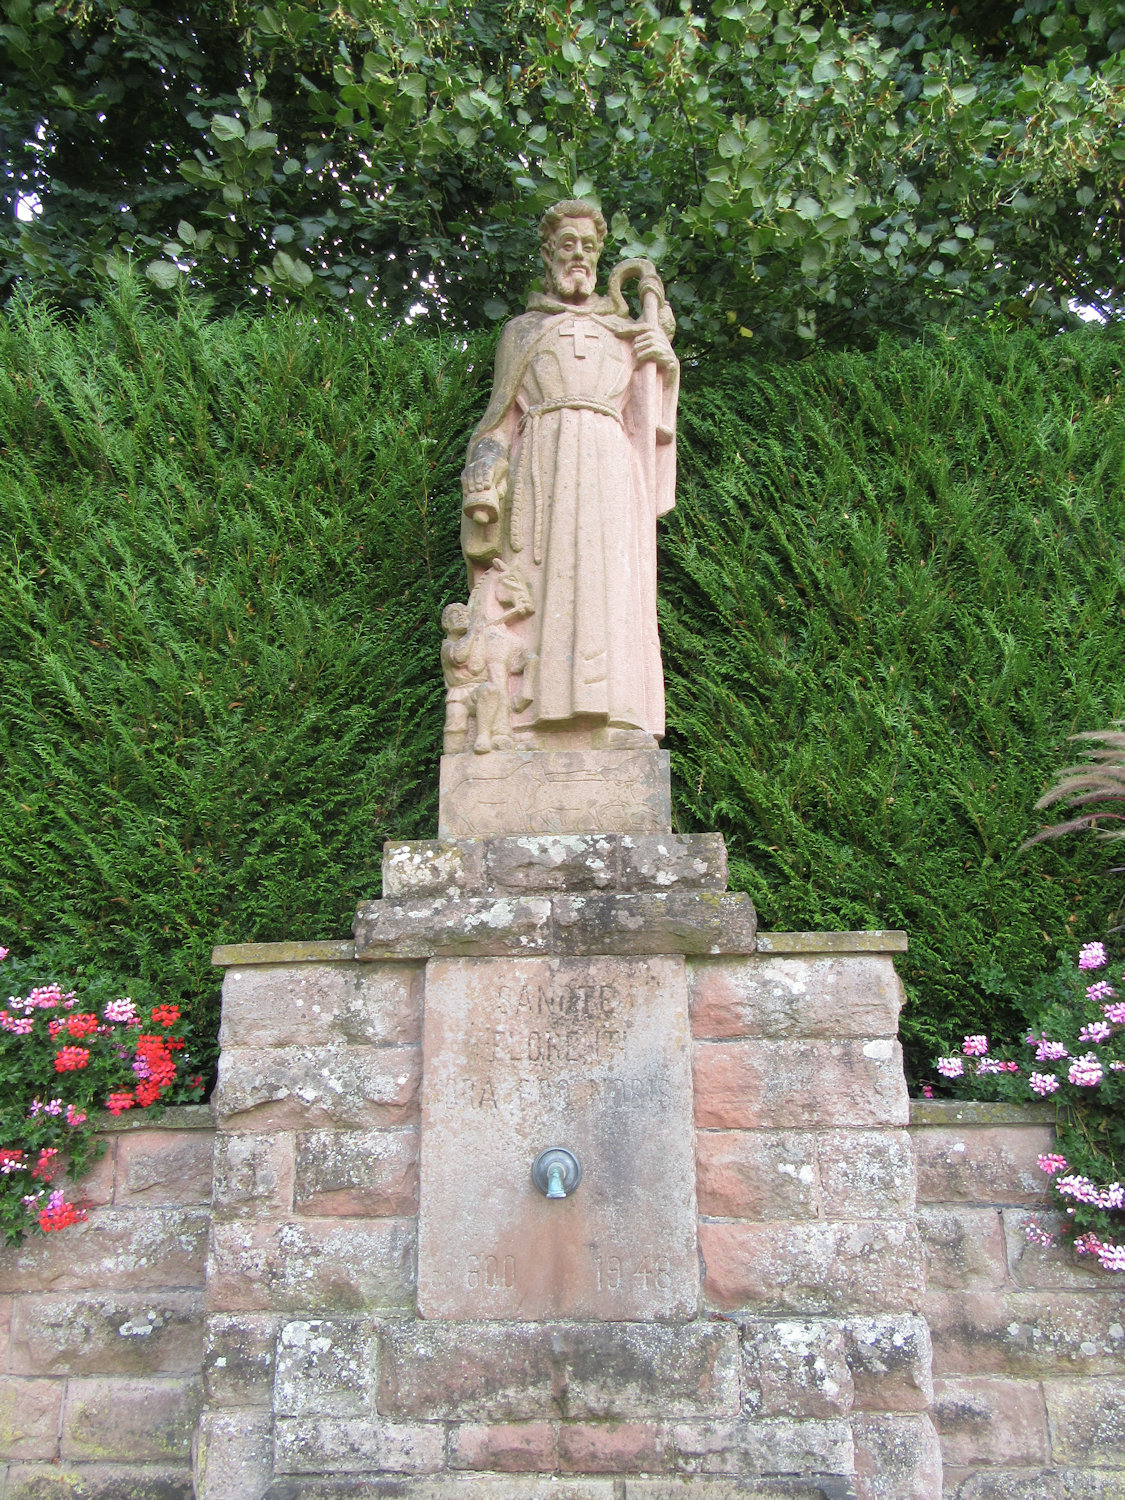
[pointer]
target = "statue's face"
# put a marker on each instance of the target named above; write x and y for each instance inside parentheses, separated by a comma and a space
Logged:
(572, 260)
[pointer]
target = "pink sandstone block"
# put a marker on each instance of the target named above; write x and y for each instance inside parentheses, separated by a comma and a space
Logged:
(253, 1175)
(322, 1004)
(989, 1420)
(306, 1088)
(358, 1172)
(127, 1249)
(163, 1168)
(506, 1447)
(1087, 1422)
(614, 1448)
(748, 1085)
(107, 1418)
(809, 996)
(982, 1164)
(964, 1247)
(107, 1333)
(234, 1455)
(1026, 1333)
(326, 1265)
(757, 1174)
(29, 1417)
(897, 1457)
(865, 1266)
(346, 1445)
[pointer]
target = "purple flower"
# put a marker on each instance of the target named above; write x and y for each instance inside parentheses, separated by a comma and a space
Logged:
(951, 1067)
(1097, 1031)
(1086, 1071)
(1100, 990)
(1050, 1051)
(974, 1046)
(1112, 1257)
(1091, 956)
(991, 1065)
(1042, 1083)
(1115, 1013)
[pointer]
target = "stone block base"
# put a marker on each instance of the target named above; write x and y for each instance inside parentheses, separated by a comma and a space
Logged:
(554, 791)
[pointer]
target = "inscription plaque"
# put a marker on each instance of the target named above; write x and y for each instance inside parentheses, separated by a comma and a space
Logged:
(588, 1053)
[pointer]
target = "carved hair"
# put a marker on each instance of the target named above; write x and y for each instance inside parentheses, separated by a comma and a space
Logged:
(570, 208)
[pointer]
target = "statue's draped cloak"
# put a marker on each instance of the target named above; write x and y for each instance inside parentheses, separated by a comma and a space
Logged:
(582, 501)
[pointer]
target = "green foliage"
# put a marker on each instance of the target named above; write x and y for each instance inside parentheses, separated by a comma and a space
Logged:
(890, 589)
(800, 175)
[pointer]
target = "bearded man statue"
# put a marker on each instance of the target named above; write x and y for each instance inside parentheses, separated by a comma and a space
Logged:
(565, 477)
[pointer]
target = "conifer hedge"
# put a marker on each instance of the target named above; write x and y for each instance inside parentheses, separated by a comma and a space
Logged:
(891, 588)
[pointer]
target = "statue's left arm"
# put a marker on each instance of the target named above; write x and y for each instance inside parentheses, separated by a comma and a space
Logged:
(653, 344)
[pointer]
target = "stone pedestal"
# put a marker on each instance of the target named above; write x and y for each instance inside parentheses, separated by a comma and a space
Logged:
(555, 791)
(749, 1328)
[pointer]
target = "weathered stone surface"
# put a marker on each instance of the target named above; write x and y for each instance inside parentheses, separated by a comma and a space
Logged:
(752, 1447)
(325, 1367)
(163, 1167)
(373, 1172)
(872, 940)
(134, 1420)
(107, 1333)
(233, 955)
(29, 1417)
(897, 1457)
(593, 922)
(506, 1447)
(654, 922)
(294, 1088)
(94, 1189)
(985, 1420)
(253, 1176)
(964, 1247)
(982, 1164)
(891, 1360)
(614, 1447)
(123, 1248)
(314, 1264)
(234, 1455)
(1035, 1267)
(777, 996)
(866, 1174)
(562, 791)
(1033, 1484)
(525, 1371)
(590, 1054)
(317, 1004)
(481, 926)
(374, 1486)
(795, 1368)
(758, 1174)
(238, 1359)
(752, 1084)
(961, 1113)
(710, 1487)
(341, 1445)
(83, 1481)
(1027, 1333)
(681, 861)
(1087, 1421)
(433, 867)
(866, 1266)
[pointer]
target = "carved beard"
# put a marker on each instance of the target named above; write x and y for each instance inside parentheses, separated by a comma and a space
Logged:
(575, 279)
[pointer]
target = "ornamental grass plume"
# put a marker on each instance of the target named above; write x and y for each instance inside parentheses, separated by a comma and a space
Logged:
(1098, 785)
(116, 1054)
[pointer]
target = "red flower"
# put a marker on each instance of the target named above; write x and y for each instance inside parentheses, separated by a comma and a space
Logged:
(148, 1092)
(116, 1103)
(165, 1015)
(46, 1166)
(70, 1059)
(60, 1217)
(80, 1026)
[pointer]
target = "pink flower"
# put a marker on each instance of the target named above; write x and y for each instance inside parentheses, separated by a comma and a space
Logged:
(950, 1067)
(1042, 1083)
(1100, 990)
(1091, 956)
(1086, 1071)
(75, 1116)
(1088, 1244)
(1097, 1031)
(1052, 1163)
(974, 1046)
(927, 1091)
(1011, 1067)
(1037, 1235)
(123, 1011)
(1115, 1013)
(3, 954)
(991, 1065)
(1047, 1051)
(1112, 1257)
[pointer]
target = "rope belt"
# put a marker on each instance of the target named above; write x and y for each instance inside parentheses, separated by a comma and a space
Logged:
(572, 403)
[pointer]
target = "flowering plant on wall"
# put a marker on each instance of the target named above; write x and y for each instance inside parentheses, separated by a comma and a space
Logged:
(1074, 1056)
(64, 1056)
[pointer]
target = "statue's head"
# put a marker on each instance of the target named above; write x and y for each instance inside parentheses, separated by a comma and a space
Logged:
(455, 619)
(571, 236)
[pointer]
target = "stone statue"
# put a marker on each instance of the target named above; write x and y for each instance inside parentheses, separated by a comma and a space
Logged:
(565, 476)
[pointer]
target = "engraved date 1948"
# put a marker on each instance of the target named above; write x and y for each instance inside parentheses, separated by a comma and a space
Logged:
(612, 1273)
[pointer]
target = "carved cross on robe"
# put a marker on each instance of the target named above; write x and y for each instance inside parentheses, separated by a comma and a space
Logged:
(576, 329)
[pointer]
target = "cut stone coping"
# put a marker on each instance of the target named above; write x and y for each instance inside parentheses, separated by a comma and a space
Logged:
(172, 1117)
(232, 955)
(980, 1112)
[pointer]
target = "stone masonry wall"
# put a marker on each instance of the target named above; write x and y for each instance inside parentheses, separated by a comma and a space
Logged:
(1029, 1343)
(101, 1325)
